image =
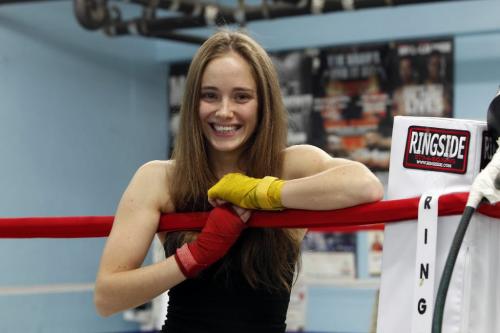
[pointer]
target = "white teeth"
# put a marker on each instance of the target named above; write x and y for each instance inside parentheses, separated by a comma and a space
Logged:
(220, 128)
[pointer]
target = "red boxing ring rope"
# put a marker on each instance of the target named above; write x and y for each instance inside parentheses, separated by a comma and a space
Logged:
(362, 217)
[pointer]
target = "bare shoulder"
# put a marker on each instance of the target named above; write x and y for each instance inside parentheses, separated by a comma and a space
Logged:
(156, 168)
(303, 160)
(306, 160)
(304, 149)
(152, 180)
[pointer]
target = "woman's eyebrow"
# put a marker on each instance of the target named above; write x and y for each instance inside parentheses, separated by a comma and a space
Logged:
(244, 89)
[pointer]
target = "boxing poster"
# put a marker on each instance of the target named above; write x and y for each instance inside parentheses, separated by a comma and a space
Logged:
(422, 78)
(375, 248)
(176, 86)
(343, 99)
(328, 257)
(294, 70)
(297, 307)
(359, 89)
(351, 96)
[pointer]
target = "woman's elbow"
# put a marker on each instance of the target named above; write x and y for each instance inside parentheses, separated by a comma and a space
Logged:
(101, 307)
(373, 190)
(369, 187)
(101, 302)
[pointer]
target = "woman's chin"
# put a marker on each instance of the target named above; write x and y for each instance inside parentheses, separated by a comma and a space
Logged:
(227, 146)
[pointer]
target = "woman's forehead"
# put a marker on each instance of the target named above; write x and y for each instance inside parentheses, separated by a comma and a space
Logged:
(229, 69)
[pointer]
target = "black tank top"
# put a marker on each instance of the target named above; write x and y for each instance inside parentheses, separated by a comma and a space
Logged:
(212, 303)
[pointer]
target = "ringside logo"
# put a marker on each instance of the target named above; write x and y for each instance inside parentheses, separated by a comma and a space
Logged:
(488, 149)
(437, 149)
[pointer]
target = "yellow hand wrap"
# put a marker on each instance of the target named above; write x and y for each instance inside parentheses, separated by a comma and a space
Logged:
(248, 192)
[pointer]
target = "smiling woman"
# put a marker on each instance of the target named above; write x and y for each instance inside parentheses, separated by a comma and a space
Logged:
(232, 135)
(228, 104)
(80, 111)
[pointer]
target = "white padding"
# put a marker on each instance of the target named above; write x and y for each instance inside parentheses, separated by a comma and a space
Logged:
(473, 302)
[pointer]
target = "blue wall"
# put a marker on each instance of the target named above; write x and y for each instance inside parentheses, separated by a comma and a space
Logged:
(79, 112)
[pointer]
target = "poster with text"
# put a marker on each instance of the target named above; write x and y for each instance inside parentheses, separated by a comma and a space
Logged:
(176, 86)
(375, 248)
(294, 70)
(343, 99)
(297, 307)
(422, 77)
(351, 95)
(328, 257)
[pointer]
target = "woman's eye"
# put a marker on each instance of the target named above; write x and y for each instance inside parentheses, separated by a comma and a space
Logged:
(241, 98)
(208, 96)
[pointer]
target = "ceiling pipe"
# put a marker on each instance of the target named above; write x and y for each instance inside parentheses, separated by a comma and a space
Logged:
(95, 14)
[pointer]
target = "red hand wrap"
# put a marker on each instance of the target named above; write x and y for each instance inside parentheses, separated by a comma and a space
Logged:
(222, 229)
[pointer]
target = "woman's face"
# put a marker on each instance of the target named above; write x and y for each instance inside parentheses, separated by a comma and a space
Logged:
(228, 103)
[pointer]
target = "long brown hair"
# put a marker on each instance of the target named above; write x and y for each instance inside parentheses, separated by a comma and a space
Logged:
(267, 256)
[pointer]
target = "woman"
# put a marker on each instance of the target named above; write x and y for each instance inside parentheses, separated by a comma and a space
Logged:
(233, 128)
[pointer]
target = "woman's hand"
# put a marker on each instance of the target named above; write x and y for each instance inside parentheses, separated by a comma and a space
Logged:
(223, 227)
(243, 213)
(248, 192)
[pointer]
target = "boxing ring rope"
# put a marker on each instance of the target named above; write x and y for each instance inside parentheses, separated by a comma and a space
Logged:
(363, 217)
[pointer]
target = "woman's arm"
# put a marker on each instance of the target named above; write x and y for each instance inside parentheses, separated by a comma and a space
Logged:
(121, 282)
(316, 181)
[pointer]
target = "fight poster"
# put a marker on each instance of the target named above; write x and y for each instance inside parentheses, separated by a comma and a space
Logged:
(343, 99)
(328, 257)
(294, 70)
(176, 86)
(375, 248)
(422, 78)
(351, 95)
(359, 89)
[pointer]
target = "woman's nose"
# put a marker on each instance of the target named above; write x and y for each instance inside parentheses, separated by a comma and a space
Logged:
(225, 110)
